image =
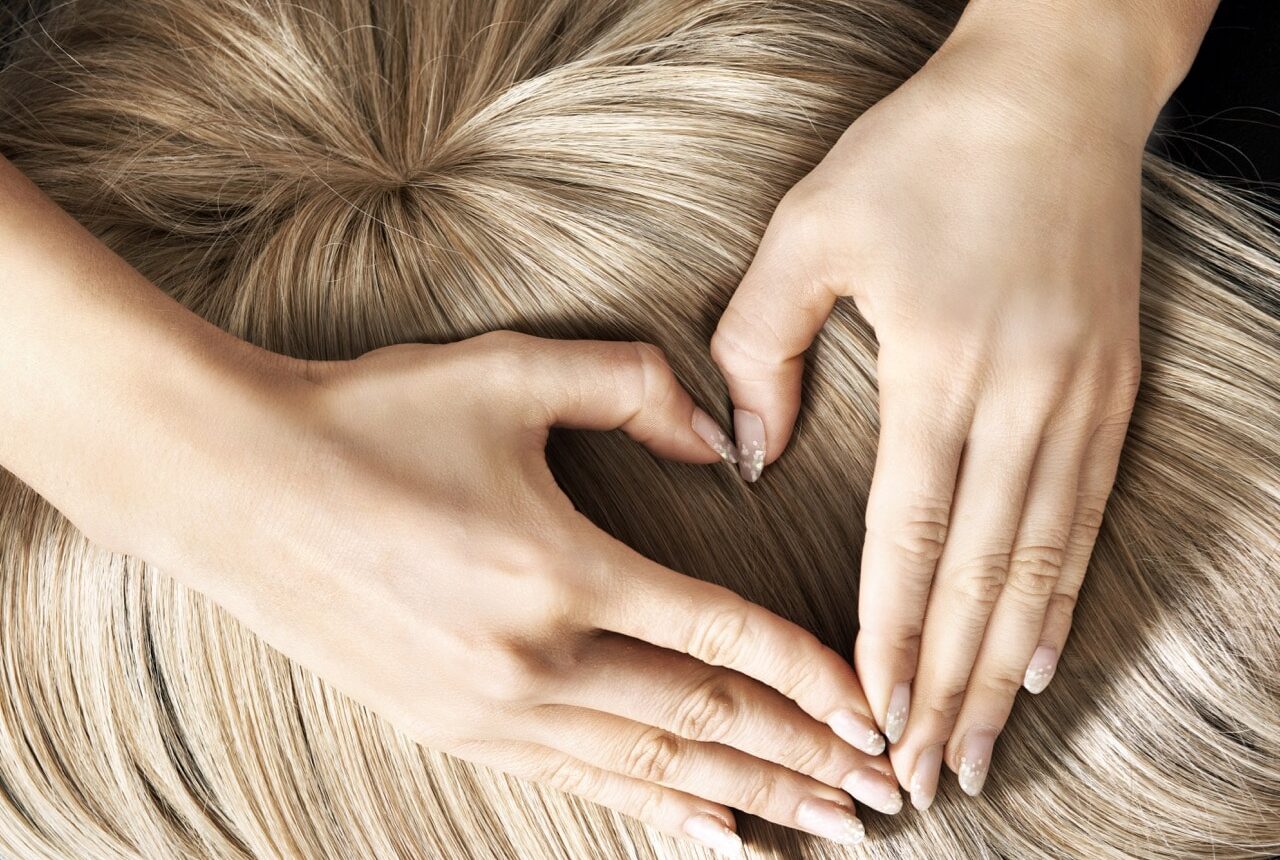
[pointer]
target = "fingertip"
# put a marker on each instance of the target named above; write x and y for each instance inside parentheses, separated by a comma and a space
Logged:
(711, 831)
(1041, 669)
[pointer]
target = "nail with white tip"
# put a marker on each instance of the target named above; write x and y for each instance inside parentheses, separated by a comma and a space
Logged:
(710, 831)
(874, 789)
(975, 759)
(857, 731)
(830, 821)
(895, 719)
(1041, 669)
(749, 429)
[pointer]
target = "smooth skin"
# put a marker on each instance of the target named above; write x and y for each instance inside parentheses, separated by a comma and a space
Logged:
(985, 219)
(391, 523)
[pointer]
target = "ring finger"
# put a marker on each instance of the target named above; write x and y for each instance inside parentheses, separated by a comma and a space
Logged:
(717, 773)
(1035, 566)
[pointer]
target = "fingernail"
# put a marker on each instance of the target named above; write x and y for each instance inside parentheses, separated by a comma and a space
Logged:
(924, 779)
(975, 758)
(895, 721)
(710, 831)
(1041, 668)
(859, 732)
(875, 790)
(717, 440)
(830, 821)
(749, 429)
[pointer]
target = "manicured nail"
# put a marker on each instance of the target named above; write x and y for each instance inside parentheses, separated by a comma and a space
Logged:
(749, 429)
(874, 789)
(924, 779)
(717, 440)
(830, 821)
(1041, 668)
(975, 758)
(859, 732)
(712, 832)
(895, 720)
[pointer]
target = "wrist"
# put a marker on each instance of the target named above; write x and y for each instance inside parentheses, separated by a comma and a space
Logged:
(1109, 64)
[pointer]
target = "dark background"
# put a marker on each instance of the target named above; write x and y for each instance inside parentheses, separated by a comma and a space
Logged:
(1223, 122)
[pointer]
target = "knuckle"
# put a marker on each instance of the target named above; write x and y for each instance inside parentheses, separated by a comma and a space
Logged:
(760, 794)
(1034, 570)
(811, 758)
(710, 712)
(571, 778)
(654, 756)
(650, 802)
(1087, 521)
(656, 382)
(808, 674)
(721, 637)
(980, 581)
(731, 349)
(1062, 605)
(1003, 682)
(944, 706)
(504, 355)
(919, 534)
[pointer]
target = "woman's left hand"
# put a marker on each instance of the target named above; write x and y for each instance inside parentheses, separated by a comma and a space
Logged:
(989, 229)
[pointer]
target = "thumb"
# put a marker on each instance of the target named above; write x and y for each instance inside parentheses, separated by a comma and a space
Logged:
(608, 385)
(760, 342)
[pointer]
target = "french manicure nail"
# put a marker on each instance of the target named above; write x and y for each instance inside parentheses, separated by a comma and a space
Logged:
(749, 430)
(714, 834)
(924, 779)
(830, 821)
(975, 758)
(875, 790)
(857, 731)
(717, 440)
(895, 720)
(1041, 668)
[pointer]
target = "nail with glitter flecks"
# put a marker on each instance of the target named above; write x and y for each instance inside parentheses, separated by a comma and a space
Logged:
(709, 431)
(975, 760)
(857, 731)
(749, 429)
(830, 821)
(895, 718)
(1041, 669)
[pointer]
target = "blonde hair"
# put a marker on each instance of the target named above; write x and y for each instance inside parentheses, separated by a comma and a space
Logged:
(328, 177)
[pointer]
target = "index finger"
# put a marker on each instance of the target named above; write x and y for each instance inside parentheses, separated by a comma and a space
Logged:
(760, 341)
(647, 601)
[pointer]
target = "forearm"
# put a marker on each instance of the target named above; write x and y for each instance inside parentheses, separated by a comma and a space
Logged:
(107, 386)
(1121, 59)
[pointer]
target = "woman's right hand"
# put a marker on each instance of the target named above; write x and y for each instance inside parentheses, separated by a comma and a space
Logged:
(403, 537)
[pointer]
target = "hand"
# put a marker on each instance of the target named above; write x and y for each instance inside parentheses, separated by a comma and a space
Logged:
(994, 245)
(405, 539)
